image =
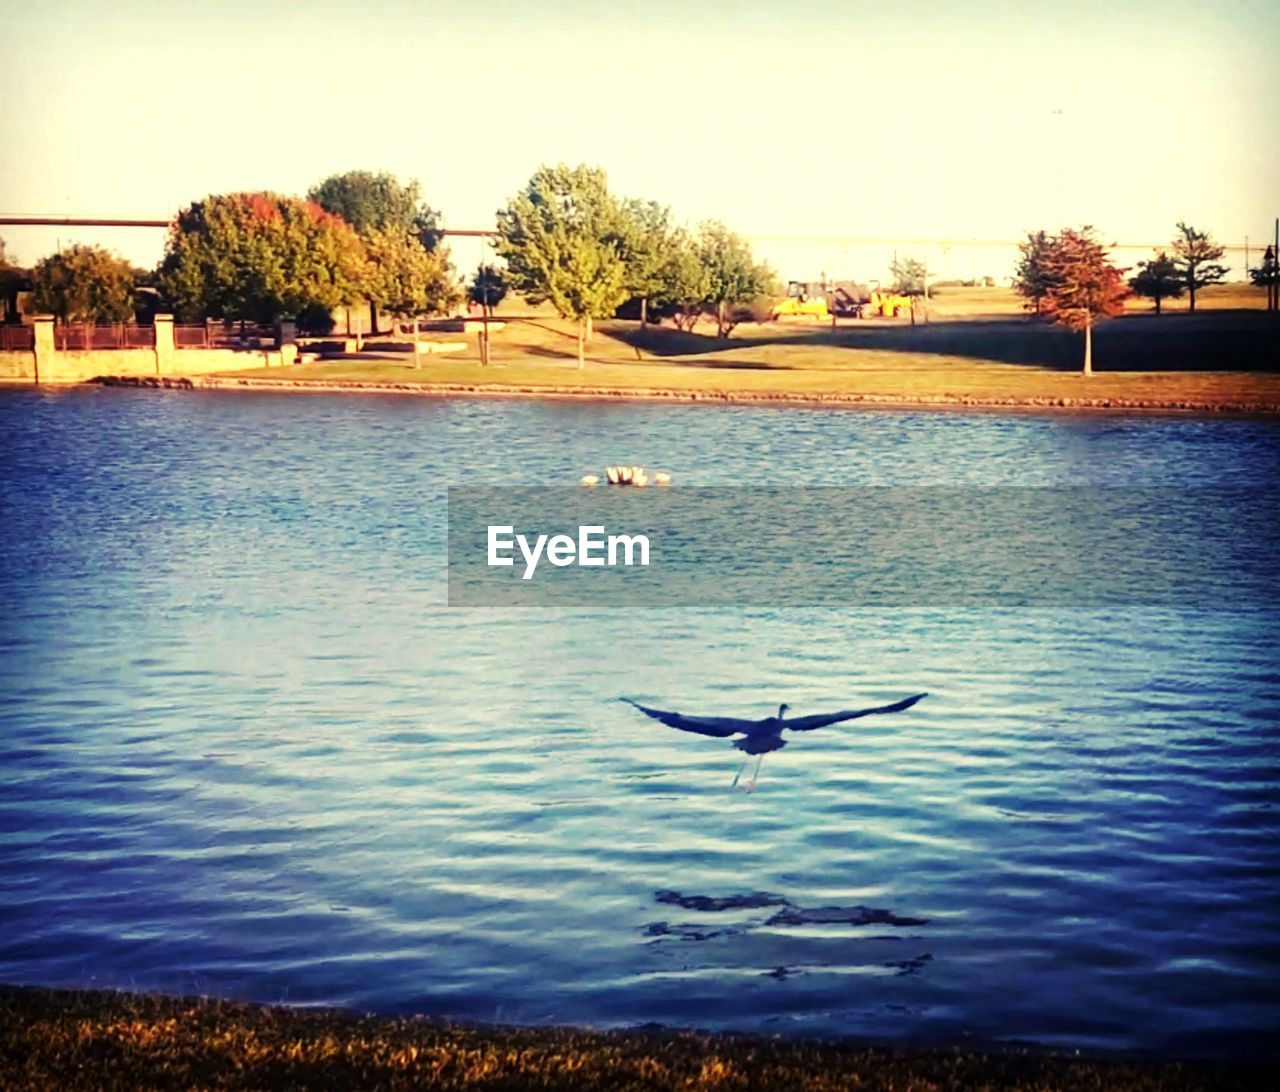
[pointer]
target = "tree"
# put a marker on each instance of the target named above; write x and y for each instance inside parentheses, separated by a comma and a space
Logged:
(1157, 279)
(1030, 278)
(646, 237)
(908, 276)
(1267, 276)
(684, 283)
(403, 278)
(12, 281)
(259, 256)
(909, 279)
(733, 275)
(84, 284)
(563, 239)
(1083, 285)
(378, 202)
(488, 288)
(1197, 258)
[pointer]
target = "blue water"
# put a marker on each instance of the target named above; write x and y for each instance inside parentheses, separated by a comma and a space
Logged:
(246, 750)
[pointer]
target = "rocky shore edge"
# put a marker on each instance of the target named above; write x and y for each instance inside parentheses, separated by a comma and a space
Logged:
(99, 1039)
(740, 397)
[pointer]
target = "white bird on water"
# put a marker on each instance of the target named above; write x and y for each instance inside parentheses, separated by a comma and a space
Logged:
(759, 737)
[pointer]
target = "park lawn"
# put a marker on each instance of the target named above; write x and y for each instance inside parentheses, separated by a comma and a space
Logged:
(1221, 361)
(959, 302)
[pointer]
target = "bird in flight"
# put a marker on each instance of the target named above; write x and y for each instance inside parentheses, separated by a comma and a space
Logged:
(759, 737)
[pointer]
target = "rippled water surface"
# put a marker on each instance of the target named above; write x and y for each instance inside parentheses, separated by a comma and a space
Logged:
(246, 750)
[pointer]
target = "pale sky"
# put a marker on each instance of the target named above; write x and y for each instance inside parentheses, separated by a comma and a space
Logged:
(785, 120)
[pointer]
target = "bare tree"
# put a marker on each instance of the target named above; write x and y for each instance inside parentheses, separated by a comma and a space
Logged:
(1197, 257)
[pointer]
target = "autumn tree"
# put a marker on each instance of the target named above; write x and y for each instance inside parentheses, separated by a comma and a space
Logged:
(84, 284)
(1083, 285)
(259, 256)
(1157, 279)
(564, 241)
(1030, 277)
(734, 277)
(1197, 259)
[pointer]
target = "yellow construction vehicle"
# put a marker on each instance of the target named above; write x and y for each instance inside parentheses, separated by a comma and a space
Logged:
(805, 299)
(889, 304)
(830, 300)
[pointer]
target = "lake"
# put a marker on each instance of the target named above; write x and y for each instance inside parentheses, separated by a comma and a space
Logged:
(248, 750)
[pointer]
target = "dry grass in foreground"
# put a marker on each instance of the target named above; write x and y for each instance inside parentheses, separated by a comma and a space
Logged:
(102, 1040)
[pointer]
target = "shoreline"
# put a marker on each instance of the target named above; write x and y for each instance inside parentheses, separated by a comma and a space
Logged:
(86, 1039)
(805, 399)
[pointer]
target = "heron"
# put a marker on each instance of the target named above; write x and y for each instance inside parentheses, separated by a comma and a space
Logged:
(759, 737)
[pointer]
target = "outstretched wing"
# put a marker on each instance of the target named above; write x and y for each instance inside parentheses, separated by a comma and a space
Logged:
(821, 720)
(704, 726)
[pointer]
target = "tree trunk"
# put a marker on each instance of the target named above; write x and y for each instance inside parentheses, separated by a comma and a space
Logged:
(1088, 349)
(582, 341)
(1157, 305)
(373, 317)
(1192, 286)
(590, 328)
(644, 311)
(720, 319)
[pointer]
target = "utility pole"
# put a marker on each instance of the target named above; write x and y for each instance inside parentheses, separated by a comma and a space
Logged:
(1062, 172)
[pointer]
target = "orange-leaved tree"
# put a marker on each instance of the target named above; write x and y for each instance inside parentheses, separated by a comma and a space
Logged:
(259, 256)
(1083, 285)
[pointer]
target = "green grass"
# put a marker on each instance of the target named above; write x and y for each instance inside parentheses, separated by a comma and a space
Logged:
(82, 1040)
(1228, 359)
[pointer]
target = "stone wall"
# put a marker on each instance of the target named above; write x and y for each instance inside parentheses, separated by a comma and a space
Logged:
(17, 365)
(46, 364)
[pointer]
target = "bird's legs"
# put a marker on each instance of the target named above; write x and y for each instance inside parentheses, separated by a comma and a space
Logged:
(755, 776)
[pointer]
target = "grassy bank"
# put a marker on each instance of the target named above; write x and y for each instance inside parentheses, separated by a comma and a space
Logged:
(102, 1040)
(1213, 361)
(955, 301)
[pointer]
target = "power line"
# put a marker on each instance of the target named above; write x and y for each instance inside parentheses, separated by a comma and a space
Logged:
(809, 238)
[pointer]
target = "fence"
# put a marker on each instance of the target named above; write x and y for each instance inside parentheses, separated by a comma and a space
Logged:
(17, 338)
(74, 352)
(116, 336)
(212, 336)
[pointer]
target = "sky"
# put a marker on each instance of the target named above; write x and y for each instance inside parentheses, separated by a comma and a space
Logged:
(808, 127)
